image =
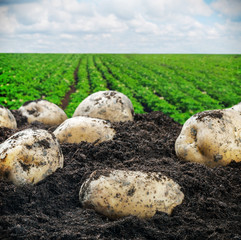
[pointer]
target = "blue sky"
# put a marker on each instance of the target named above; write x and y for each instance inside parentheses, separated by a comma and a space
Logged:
(120, 26)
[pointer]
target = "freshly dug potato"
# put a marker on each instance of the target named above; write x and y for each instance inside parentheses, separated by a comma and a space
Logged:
(43, 111)
(109, 105)
(212, 138)
(118, 193)
(6, 118)
(78, 129)
(29, 156)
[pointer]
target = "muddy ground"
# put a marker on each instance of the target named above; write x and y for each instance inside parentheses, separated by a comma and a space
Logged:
(51, 210)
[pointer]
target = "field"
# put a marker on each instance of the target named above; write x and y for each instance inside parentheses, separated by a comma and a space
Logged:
(177, 85)
(165, 90)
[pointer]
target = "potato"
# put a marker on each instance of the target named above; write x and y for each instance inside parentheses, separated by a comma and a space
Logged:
(78, 129)
(108, 105)
(29, 156)
(6, 118)
(119, 193)
(43, 111)
(212, 138)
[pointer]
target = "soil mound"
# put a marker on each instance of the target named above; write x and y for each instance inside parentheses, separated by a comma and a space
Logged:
(51, 210)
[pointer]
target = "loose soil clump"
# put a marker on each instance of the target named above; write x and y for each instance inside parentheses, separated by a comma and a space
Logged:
(211, 114)
(51, 209)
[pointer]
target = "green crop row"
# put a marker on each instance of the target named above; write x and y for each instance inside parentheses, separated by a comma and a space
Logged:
(164, 86)
(117, 85)
(82, 88)
(178, 85)
(203, 72)
(186, 90)
(173, 87)
(97, 82)
(145, 96)
(27, 77)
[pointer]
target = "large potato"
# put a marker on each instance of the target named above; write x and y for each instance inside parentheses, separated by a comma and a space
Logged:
(43, 111)
(6, 118)
(109, 105)
(119, 193)
(78, 129)
(29, 156)
(212, 138)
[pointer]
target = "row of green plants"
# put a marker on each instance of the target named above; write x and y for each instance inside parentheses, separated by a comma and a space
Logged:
(175, 92)
(25, 77)
(96, 80)
(115, 84)
(83, 89)
(203, 72)
(146, 91)
(178, 85)
(181, 87)
(149, 100)
(93, 76)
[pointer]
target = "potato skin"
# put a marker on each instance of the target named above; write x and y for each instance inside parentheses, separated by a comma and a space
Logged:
(29, 156)
(237, 107)
(108, 105)
(212, 138)
(78, 129)
(118, 193)
(43, 111)
(7, 119)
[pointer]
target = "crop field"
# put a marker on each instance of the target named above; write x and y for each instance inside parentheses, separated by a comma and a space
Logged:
(202, 158)
(177, 85)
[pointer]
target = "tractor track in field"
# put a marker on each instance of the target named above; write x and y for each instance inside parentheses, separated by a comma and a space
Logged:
(73, 89)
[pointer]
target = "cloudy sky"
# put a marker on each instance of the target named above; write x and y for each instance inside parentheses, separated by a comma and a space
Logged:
(120, 26)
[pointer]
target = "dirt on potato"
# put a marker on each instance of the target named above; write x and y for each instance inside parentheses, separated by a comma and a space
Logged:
(51, 209)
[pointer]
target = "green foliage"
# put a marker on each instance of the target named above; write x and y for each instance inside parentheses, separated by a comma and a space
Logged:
(83, 88)
(178, 85)
(117, 85)
(32, 76)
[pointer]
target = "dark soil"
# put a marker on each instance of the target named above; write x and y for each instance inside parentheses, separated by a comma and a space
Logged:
(211, 114)
(72, 89)
(51, 210)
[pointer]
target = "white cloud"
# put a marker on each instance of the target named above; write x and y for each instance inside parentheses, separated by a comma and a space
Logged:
(231, 8)
(164, 8)
(27, 14)
(66, 36)
(123, 9)
(117, 26)
(141, 25)
(8, 22)
(80, 8)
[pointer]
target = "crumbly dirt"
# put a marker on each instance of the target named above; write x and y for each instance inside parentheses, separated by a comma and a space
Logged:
(211, 114)
(51, 209)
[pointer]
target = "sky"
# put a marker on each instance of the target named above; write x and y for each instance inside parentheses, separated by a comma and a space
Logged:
(120, 26)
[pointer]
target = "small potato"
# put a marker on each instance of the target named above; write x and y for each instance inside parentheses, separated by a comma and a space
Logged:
(78, 129)
(7, 119)
(118, 193)
(43, 111)
(29, 156)
(108, 105)
(212, 138)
